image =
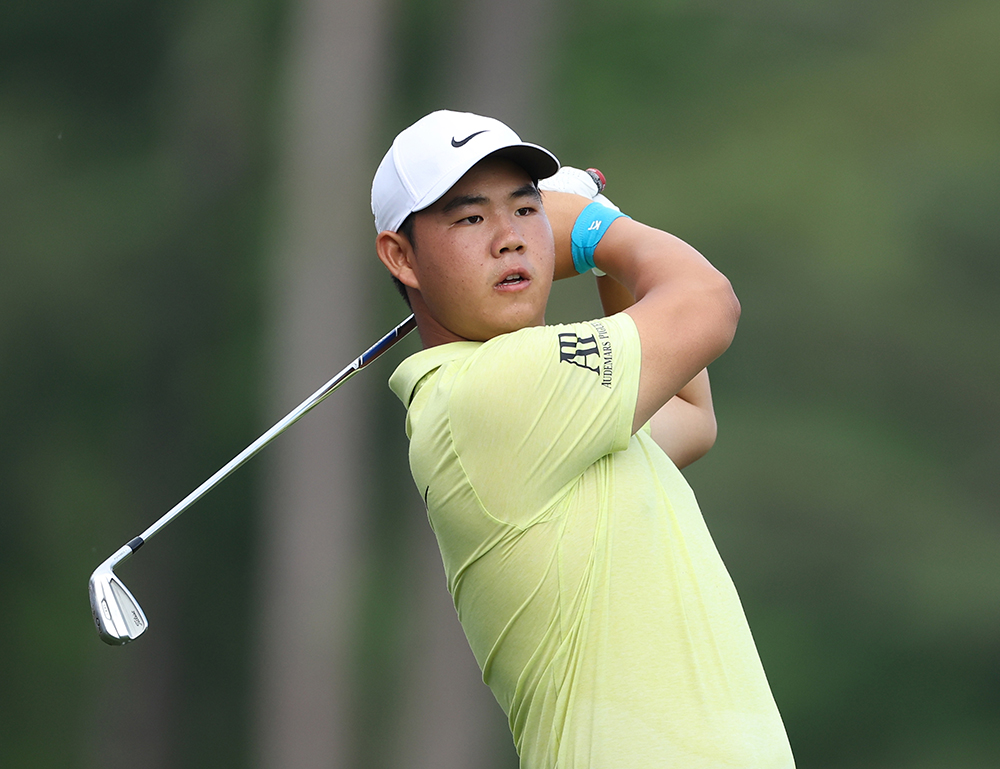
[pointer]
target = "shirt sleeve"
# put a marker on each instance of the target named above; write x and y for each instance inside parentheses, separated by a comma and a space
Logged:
(531, 411)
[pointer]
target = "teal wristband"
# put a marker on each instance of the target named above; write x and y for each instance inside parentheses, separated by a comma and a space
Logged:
(590, 227)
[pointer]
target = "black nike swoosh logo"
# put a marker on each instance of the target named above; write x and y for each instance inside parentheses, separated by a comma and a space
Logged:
(455, 143)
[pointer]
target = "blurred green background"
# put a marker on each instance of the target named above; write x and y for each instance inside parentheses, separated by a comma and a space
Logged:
(839, 161)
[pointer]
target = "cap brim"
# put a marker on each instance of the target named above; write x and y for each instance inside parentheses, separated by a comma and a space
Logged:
(537, 161)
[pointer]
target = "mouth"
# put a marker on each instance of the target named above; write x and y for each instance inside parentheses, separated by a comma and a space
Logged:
(513, 279)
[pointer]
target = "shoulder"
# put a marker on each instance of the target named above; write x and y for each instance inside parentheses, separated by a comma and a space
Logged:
(584, 345)
(534, 365)
(411, 372)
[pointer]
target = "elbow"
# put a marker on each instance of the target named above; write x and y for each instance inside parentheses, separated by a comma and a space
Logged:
(692, 453)
(684, 431)
(710, 433)
(730, 305)
(735, 308)
(706, 438)
(734, 305)
(726, 312)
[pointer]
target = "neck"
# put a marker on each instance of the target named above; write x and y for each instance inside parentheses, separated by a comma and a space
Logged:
(432, 333)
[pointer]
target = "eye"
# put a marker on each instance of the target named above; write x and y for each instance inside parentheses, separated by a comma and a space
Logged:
(473, 219)
(526, 211)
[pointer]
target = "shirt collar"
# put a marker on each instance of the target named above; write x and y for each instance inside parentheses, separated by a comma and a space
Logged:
(407, 376)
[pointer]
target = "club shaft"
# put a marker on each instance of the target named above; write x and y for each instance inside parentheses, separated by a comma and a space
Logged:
(359, 363)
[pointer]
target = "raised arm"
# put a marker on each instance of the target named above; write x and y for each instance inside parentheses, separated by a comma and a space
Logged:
(685, 427)
(685, 311)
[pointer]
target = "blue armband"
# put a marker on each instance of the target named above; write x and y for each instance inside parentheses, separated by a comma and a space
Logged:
(590, 227)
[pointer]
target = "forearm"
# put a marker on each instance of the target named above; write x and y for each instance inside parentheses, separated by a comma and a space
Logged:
(562, 209)
(658, 268)
(698, 392)
(614, 296)
(685, 427)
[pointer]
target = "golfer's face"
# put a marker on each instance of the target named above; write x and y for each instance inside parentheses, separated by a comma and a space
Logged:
(485, 254)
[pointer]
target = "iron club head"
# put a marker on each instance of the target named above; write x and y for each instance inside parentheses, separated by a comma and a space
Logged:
(117, 614)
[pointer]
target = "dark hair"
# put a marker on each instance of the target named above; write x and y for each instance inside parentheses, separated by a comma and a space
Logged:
(406, 230)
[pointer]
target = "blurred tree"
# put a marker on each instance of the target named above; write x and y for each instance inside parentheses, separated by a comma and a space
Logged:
(130, 167)
(448, 718)
(314, 534)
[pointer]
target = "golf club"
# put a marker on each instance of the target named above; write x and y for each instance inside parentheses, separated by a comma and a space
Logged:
(117, 614)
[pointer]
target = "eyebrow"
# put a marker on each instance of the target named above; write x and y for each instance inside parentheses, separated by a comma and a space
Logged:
(528, 190)
(464, 200)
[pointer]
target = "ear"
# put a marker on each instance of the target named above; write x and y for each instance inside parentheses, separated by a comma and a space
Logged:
(396, 253)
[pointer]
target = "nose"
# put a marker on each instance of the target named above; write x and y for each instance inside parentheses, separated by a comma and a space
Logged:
(508, 239)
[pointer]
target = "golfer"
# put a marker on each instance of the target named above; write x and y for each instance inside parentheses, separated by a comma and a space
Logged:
(583, 573)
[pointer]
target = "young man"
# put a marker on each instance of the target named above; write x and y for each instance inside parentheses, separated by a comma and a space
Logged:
(583, 573)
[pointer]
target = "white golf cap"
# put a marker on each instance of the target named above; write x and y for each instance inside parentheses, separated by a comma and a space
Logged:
(426, 160)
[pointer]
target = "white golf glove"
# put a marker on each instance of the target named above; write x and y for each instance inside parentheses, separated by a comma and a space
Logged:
(578, 182)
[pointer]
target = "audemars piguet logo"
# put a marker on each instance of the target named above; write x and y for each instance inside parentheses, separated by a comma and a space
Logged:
(580, 351)
(607, 353)
(593, 353)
